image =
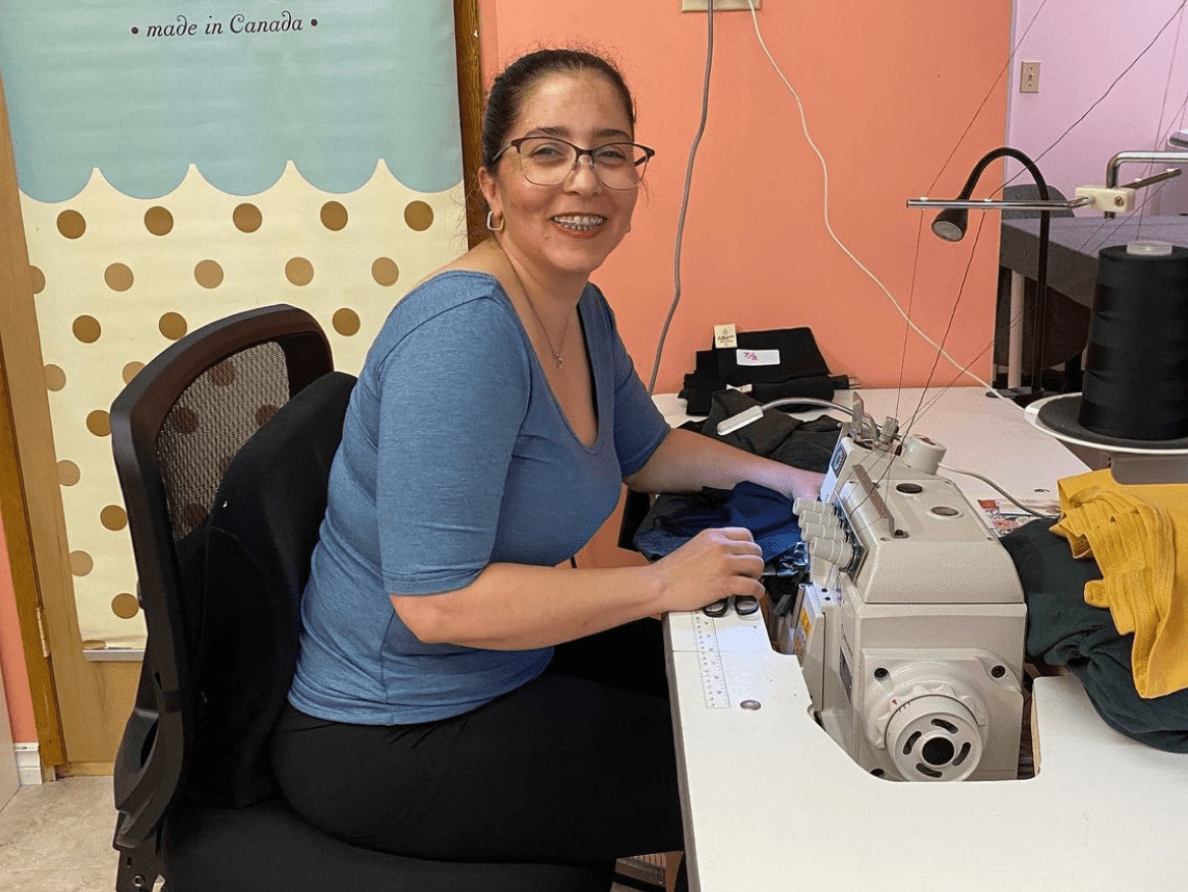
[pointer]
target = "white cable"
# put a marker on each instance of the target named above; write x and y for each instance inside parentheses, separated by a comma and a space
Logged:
(1006, 494)
(829, 227)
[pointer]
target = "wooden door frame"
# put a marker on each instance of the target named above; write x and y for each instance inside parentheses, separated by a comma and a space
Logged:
(79, 707)
(24, 424)
(470, 108)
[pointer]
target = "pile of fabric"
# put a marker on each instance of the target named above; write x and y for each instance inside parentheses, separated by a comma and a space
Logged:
(1107, 596)
(674, 519)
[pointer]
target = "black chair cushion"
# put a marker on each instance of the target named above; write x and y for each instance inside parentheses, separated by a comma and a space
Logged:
(261, 532)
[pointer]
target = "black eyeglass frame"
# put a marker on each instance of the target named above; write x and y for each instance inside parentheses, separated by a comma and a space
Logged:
(649, 153)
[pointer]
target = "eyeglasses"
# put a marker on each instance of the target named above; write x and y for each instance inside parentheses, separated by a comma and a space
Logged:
(547, 161)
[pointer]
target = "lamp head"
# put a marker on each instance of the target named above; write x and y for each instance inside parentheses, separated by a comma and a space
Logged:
(951, 223)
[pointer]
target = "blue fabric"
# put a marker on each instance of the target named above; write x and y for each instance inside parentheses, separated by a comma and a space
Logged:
(455, 455)
(763, 511)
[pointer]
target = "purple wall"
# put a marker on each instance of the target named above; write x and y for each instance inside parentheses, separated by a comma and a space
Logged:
(1084, 45)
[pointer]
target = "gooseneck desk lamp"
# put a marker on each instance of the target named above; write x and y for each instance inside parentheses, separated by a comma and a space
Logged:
(950, 224)
(953, 219)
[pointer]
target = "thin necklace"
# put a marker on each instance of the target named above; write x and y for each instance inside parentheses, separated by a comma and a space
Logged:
(564, 331)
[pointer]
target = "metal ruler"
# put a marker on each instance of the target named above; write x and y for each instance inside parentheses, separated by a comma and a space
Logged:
(709, 662)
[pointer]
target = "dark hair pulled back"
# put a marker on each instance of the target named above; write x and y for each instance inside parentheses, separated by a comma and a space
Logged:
(510, 88)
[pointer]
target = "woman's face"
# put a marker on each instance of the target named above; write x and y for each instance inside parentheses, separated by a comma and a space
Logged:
(569, 228)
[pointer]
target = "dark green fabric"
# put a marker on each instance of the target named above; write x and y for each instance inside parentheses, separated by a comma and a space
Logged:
(1062, 630)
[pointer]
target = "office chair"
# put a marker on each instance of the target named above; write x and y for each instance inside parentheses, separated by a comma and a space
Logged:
(223, 446)
(1066, 322)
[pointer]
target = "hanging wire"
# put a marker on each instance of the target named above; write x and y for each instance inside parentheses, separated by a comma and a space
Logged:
(1106, 223)
(1171, 66)
(829, 226)
(1177, 14)
(962, 370)
(676, 261)
(1113, 84)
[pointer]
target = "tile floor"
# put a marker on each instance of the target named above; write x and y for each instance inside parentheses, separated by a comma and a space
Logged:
(56, 837)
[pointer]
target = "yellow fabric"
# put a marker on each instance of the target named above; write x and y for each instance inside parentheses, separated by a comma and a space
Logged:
(1139, 537)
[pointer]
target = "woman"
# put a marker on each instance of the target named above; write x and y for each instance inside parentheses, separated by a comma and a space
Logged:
(459, 695)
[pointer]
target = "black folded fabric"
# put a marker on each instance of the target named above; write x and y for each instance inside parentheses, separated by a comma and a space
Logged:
(801, 370)
(802, 444)
(1062, 630)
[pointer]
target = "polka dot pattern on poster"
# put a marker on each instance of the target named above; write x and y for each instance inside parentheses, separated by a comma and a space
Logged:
(124, 605)
(208, 274)
(71, 224)
(385, 271)
(346, 322)
(118, 279)
(158, 220)
(299, 271)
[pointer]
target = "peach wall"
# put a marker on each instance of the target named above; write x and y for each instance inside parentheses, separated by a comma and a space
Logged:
(12, 657)
(889, 89)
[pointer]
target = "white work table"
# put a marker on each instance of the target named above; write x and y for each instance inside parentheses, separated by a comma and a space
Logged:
(771, 803)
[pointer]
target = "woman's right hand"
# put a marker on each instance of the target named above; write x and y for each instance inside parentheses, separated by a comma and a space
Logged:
(713, 565)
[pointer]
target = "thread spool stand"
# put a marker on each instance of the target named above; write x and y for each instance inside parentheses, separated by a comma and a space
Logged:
(1133, 412)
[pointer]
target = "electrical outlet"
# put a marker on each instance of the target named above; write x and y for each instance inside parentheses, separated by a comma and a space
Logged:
(719, 5)
(1029, 77)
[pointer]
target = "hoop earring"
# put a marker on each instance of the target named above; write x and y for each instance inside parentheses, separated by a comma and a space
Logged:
(491, 222)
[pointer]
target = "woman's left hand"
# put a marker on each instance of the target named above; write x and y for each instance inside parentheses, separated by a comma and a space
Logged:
(801, 484)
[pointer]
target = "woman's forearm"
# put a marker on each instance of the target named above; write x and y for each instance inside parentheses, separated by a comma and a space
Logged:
(686, 461)
(518, 606)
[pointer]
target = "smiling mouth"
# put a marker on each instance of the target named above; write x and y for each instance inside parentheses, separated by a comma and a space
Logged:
(580, 222)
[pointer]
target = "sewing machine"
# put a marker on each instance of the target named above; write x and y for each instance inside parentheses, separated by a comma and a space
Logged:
(910, 627)
(772, 802)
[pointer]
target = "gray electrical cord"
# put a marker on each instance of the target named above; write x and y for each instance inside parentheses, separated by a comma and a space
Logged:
(676, 298)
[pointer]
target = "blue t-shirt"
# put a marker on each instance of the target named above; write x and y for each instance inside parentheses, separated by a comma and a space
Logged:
(454, 455)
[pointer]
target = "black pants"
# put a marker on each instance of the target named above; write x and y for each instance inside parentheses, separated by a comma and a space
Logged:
(577, 765)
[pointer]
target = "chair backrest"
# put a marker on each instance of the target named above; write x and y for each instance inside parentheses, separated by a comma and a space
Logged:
(261, 533)
(175, 429)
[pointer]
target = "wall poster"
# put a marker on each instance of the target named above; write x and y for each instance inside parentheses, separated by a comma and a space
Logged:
(181, 161)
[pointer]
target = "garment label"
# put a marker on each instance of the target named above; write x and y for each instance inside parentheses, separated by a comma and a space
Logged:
(725, 336)
(757, 357)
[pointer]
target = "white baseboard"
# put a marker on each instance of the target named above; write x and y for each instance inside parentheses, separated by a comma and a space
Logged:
(28, 763)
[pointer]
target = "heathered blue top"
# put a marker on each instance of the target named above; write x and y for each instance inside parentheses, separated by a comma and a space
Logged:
(454, 455)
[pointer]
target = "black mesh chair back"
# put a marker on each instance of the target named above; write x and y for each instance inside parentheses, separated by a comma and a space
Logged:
(223, 446)
(175, 428)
